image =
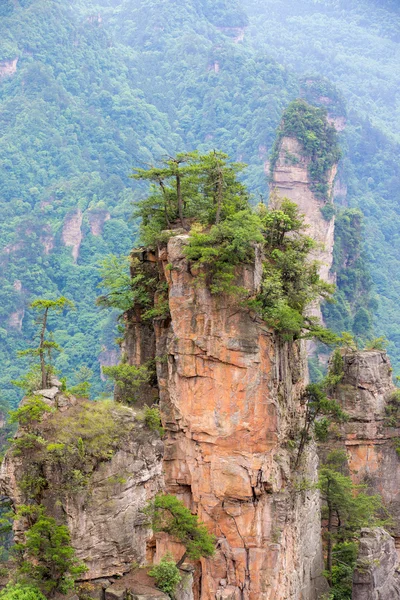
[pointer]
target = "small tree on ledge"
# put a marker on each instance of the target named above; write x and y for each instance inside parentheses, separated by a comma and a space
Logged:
(169, 515)
(43, 307)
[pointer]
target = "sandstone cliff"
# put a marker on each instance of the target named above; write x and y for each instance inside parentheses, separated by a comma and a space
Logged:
(370, 435)
(230, 402)
(291, 179)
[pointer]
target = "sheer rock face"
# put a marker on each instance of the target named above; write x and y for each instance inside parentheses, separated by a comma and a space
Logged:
(291, 180)
(230, 402)
(376, 576)
(370, 443)
(105, 520)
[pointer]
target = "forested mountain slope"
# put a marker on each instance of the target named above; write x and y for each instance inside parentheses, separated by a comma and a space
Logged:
(86, 92)
(356, 45)
(89, 89)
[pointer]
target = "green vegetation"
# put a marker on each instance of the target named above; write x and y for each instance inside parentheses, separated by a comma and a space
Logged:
(152, 419)
(73, 122)
(87, 100)
(354, 302)
(42, 308)
(73, 442)
(204, 192)
(346, 509)
(169, 515)
(290, 279)
(321, 410)
(128, 379)
(166, 575)
(46, 557)
(31, 412)
(392, 411)
(345, 54)
(318, 139)
(19, 591)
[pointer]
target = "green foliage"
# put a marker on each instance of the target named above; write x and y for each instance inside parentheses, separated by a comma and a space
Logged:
(379, 343)
(127, 283)
(128, 379)
(225, 232)
(73, 442)
(43, 352)
(46, 557)
(351, 86)
(353, 300)
(290, 280)
(31, 412)
(169, 515)
(344, 556)
(346, 509)
(134, 93)
(18, 591)
(348, 342)
(327, 211)
(166, 575)
(218, 251)
(152, 419)
(392, 411)
(189, 186)
(318, 138)
(321, 410)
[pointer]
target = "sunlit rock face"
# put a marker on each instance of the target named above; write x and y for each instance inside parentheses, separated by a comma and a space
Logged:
(230, 400)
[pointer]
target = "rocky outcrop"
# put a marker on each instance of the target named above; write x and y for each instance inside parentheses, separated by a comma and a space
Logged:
(104, 517)
(96, 219)
(377, 575)
(72, 232)
(370, 436)
(230, 402)
(291, 179)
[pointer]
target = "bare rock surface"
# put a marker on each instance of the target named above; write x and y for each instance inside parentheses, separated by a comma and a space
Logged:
(369, 436)
(377, 575)
(230, 397)
(105, 519)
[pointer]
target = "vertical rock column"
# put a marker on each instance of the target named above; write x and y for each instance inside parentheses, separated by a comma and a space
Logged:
(291, 180)
(369, 439)
(230, 401)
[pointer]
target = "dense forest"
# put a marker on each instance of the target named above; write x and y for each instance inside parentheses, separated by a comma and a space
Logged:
(90, 89)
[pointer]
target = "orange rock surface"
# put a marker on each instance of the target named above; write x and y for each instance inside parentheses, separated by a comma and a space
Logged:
(230, 400)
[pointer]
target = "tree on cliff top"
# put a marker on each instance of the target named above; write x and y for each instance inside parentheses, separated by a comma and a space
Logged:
(169, 515)
(43, 308)
(187, 188)
(319, 140)
(203, 194)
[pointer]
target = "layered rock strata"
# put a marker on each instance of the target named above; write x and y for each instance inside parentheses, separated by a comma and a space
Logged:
(230, 401)
(370, 436)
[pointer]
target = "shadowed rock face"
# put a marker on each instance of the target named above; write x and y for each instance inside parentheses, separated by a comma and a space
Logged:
(230, 400)
(370, 442)
(107, 526)
(376, 576)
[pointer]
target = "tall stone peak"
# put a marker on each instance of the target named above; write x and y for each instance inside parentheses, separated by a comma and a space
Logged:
(230, 399)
